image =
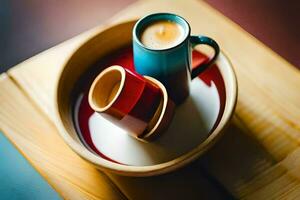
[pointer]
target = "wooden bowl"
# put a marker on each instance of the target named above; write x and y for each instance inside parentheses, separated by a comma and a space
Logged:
(105, 42)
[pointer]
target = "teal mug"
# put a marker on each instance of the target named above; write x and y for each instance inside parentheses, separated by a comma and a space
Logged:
(171, 65)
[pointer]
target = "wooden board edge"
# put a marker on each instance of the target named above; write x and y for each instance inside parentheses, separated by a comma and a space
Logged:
(3, 78)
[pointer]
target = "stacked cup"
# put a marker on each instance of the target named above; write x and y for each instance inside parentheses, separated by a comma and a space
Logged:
(162, 47)
(138, 104)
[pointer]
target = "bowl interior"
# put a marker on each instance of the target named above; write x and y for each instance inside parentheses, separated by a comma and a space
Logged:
(79, 67)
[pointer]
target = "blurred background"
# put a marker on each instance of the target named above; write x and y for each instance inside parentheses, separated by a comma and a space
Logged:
(28, 27)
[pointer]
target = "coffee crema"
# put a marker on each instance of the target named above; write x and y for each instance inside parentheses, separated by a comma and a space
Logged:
(162, 34)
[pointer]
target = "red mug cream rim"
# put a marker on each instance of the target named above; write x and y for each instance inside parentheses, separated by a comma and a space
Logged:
(165, 114)
(92, 103)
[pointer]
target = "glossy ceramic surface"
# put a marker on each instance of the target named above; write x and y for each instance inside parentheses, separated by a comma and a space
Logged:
(171, 66)
(125, 98)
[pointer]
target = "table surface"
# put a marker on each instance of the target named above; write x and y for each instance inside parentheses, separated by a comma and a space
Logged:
(258, 157)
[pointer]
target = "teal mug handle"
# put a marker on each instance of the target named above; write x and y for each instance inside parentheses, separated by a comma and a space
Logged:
(195, 40)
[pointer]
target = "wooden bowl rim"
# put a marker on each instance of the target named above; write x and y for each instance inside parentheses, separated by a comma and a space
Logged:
(230, 82)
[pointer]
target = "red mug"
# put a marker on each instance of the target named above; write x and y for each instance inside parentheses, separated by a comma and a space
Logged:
(125, 98)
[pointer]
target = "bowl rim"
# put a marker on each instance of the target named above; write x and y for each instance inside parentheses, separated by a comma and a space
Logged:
(156, 169)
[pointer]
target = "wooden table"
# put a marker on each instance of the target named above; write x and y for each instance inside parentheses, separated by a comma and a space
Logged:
(258, 157)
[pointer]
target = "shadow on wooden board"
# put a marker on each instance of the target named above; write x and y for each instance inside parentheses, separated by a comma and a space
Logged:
(237, 165)
(240, 163)
(190, 182)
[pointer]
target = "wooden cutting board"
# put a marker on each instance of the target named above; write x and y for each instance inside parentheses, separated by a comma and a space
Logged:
(258, 157)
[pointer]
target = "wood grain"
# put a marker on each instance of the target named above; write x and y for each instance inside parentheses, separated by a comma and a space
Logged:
(37, 139)
(259, 156)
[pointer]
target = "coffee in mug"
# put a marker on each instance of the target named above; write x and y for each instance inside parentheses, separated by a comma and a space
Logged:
(162, 34)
